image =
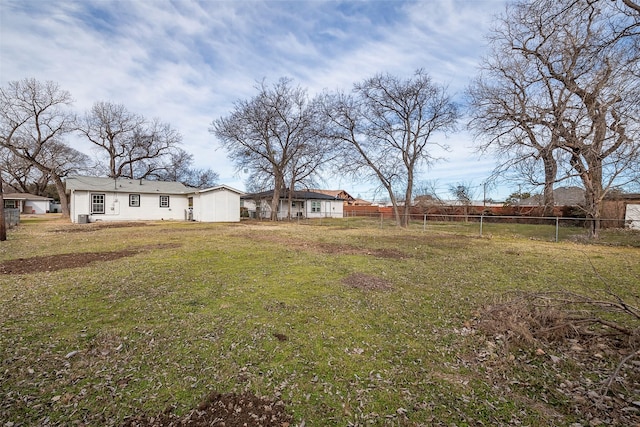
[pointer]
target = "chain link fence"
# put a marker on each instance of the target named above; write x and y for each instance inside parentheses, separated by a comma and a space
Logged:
(553, 229)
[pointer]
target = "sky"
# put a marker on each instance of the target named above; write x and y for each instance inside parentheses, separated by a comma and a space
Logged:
(187, 62)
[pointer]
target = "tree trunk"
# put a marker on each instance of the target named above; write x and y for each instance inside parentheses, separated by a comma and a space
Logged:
(591, 176)
(3, 224)
(275, 199)
(64, 201)
(394, 203)
(550, 173)
(407, 199)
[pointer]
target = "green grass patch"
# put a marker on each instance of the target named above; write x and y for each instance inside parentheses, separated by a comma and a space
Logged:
(263, 308)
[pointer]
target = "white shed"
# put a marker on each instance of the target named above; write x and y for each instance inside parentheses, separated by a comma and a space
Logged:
(216, 204)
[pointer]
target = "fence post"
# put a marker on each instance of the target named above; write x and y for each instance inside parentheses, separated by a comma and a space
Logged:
(557, 228)
(381, 219)
(424, 223)
(481, 217)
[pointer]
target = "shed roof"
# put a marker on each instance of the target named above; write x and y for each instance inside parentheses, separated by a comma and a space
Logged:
(218, 188)
(125, 185)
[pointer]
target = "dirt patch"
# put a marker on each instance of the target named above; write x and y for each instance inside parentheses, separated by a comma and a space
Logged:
(330, 248)
(63, 261)
(367, 282)
(94, 226)
(228, 410)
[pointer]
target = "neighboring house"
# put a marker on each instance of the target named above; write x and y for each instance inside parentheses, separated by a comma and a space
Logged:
(362, 202)
(304, 204)
(632, 216)
(337, 194)
(563, 196)
(618, 209)
(106, 199)
(625, 207)
(27, 203)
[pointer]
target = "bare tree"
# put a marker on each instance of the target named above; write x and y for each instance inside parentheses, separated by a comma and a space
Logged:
(34, 117)
(587, 71)
(178, 168)
(110, 127)
(464, 194)
(270, 135)
(634, 7)
(386, 128)
(514, 113)
(20, 175)
(133, 146)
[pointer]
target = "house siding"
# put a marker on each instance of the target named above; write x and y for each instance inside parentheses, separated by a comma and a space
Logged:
(36, 207)
(27, 203)
(117, 207)
(216, 204)
(328, 208)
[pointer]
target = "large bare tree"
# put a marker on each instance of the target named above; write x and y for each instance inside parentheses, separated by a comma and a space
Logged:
(272, 135)
(514, 113)
(34, 118)
(20, 175)
(583, 58)
(386, 129)
(178, 167)
(128, 144)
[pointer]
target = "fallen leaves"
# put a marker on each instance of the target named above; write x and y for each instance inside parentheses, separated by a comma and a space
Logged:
(228, 410)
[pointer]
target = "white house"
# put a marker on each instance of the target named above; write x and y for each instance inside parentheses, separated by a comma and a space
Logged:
(27, 203)
(304, 204)
(122, 199)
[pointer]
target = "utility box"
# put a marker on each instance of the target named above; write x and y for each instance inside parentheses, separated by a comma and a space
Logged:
(83, 219)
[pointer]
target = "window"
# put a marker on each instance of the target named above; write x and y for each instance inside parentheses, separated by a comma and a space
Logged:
(315, 206)
(97, 203)
(164, 201)
(11, 204)
(134, 200)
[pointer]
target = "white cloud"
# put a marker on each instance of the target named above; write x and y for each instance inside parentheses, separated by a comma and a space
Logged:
(186, 62)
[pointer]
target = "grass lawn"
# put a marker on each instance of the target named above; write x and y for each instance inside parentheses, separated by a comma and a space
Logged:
(345, 324)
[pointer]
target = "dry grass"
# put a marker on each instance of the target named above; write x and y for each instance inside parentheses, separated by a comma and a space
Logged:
(345, 326)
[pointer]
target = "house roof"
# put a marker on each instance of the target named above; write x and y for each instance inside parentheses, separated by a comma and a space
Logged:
(218, 188)
(304, 195)
(338, 194)
(563, 196)
(362, 202)
(23, 196)
(125, 185)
